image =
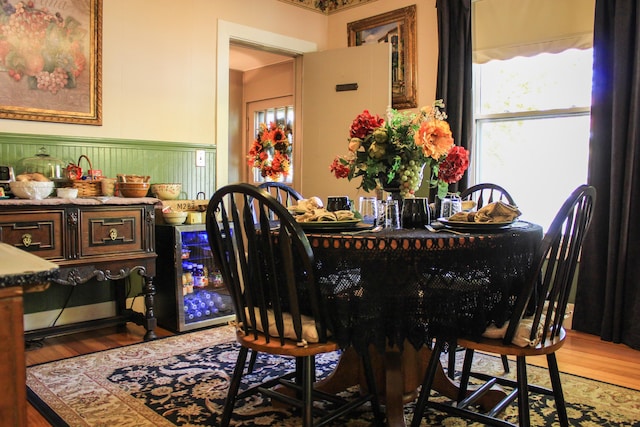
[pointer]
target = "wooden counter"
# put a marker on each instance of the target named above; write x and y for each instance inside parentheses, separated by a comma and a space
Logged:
(102, 238)
(19, 270)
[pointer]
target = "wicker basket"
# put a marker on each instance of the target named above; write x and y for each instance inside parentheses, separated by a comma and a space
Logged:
(90, 187)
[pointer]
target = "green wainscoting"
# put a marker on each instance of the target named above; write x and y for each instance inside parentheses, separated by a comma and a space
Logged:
(163, 161)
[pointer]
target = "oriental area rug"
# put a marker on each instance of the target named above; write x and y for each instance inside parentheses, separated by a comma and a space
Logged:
(182, 380)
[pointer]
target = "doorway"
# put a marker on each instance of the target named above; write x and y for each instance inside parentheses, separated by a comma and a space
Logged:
(229, 33)
(261, 90)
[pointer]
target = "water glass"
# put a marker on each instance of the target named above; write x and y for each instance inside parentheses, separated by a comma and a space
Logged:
(382, 212)
(368, 208)
(415, 212)
(392, 214)
(450, 205)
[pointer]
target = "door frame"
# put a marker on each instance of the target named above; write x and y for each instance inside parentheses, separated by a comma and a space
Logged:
(227, 32)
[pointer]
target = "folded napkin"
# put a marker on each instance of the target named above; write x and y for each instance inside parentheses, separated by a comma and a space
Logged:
(497, 212)
(322, 214)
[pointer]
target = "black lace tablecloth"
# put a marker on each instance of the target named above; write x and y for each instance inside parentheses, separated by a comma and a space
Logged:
(395, 285)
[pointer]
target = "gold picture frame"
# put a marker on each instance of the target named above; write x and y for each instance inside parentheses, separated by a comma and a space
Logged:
(397, 27)
(52, 70)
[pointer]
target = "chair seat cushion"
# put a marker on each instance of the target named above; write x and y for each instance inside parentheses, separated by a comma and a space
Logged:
(309, 331)
(522, 335)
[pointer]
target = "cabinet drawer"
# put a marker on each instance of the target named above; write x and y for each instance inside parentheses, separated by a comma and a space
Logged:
(37, 232)
(111, 232)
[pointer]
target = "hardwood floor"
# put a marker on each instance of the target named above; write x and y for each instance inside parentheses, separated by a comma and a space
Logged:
(584, 355)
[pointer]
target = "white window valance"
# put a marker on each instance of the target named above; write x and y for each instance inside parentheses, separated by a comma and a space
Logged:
(504, 29)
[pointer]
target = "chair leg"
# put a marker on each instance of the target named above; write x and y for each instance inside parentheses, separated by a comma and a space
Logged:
(523, 392)
(466, 372)
(307, 390)
(429, 376)
(554, 374)
(451, 367)
(252, 361)
(233, 387)
(505, 364)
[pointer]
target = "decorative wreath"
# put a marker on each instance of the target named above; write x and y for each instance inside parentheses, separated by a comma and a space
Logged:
(271, 151)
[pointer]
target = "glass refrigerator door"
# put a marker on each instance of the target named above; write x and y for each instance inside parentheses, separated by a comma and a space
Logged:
(205, 297)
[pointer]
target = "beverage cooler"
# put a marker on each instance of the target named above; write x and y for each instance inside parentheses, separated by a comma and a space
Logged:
(190, 292)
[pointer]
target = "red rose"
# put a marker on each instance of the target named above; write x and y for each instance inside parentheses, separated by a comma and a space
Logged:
(365, 124)
(339, 169)
(454, 165)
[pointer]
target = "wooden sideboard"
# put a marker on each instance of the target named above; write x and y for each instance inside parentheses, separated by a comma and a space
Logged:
(89, 238)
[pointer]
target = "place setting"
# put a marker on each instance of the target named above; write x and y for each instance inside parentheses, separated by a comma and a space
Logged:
(460, 216)
(338, 215)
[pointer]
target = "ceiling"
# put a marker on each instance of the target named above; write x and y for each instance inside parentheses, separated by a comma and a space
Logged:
(244, 58)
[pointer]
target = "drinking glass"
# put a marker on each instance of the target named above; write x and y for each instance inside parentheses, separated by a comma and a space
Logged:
(382, 212)
(392, 214)
(451, 204)
(415, 212)
(368, 208)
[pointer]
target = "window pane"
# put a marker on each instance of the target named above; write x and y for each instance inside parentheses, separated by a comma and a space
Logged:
(539, 161)
(543, 82)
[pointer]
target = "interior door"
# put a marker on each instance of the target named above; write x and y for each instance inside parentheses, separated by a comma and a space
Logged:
(327, 112)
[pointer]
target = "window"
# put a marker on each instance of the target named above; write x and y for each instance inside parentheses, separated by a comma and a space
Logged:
(532, 128)
(278, 110)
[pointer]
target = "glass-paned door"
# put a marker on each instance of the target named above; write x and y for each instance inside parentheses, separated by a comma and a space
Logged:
(276, 110)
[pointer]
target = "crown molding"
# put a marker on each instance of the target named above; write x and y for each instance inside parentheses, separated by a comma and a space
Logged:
(327, 7)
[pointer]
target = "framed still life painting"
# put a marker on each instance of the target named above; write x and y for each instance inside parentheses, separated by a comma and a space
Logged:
(397, 28)
(50, 61)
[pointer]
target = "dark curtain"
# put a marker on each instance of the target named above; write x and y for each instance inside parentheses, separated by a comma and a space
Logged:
(608, 295)
(454, 72)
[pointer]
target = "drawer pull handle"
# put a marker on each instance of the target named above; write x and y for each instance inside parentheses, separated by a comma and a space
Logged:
(113, 234)
(27, 240)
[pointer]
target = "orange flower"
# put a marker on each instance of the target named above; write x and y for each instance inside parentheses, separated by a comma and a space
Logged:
(435, 138)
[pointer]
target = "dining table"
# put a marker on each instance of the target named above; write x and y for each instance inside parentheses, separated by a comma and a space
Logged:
(394, 291)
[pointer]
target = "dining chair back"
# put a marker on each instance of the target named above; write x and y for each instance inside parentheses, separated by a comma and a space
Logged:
(535, 327)
(486, 193)
(267, 265)
(482, 194)
(281, 192)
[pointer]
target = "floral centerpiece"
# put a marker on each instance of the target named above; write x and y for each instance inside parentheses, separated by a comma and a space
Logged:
(396, 152)
(271, 151)
(41, 47)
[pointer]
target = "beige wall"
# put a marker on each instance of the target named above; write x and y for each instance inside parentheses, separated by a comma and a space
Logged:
(426, 38)
(269, 82)
(159, 65)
